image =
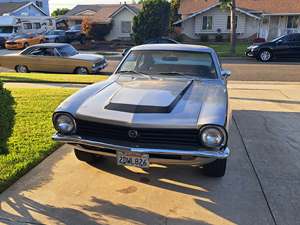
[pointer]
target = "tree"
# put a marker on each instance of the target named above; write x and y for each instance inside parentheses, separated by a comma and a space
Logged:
(174, 15)
(152, 21)
(85, 25)
(59, 12)
(231, 5)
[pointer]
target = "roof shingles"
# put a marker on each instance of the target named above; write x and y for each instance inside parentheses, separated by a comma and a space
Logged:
(188, 7)
(10, 7)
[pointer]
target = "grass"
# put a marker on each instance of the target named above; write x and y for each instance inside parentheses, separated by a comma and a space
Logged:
(223, 49)
(28, 137)
(51, 78)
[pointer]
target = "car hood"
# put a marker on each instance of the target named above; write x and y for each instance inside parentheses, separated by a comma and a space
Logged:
(173, 103)
(88, 57)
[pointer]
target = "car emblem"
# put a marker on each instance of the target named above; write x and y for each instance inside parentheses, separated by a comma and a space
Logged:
(133, 134)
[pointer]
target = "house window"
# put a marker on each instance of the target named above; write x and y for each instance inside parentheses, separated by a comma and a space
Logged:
(27, 26)
(293, 22)
(36, 26)
(126, 27)
(207, 23)
(229, 22)
(39, 4)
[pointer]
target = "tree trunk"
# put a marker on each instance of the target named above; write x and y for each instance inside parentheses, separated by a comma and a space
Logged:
(233, 27)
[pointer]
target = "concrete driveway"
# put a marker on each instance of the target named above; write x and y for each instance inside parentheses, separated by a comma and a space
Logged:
(262, 185)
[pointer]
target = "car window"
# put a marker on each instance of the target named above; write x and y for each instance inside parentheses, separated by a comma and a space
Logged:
(67, 50)
(154, 62)
(293, 37)
(43, 52)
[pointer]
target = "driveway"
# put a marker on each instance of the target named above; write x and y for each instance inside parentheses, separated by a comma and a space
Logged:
(262, 185)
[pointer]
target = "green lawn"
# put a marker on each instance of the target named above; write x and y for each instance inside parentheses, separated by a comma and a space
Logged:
(223, 49)
(26, 139)
(50, 78)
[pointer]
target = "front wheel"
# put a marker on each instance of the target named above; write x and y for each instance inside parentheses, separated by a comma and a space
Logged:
(22, 69)
(216, 168)
(265, 55)
(81, 70)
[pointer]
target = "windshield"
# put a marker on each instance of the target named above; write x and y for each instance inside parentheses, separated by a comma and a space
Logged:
(55, 32)
(20, 36)
(76, 27)
(170, 63)
(278, 38)
(67, 50)
(6, 30)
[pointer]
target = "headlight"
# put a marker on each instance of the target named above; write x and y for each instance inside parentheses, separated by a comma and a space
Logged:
(64, 123)
(254, 46)
(213, 136)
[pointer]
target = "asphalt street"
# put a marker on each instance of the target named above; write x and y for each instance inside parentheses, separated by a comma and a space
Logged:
(262, 184)
(243, 69)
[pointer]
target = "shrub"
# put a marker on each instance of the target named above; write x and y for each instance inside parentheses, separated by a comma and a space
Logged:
(99, 31)
(6, 117)
(204, 38)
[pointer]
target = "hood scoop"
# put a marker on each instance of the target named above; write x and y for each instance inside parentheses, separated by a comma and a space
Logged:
(148, 96)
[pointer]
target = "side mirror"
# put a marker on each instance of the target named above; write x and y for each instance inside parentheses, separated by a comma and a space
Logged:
(226, 73)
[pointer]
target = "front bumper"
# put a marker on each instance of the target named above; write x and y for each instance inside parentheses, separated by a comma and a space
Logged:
(99, 68)
(251, 52)
(163, 156)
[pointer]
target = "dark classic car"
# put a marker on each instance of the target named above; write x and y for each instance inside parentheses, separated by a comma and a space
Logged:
(54, 58)
(165, 104)
(55, 36)
(287, 46)
(75, 34)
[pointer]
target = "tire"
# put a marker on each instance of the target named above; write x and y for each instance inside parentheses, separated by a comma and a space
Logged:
(81, 70)
(265, 55)
(216, 168)
(85, 156)
(22, 69)
(26, 45)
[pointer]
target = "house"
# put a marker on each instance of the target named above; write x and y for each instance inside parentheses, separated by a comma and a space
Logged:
(255, 18)
(120, 16)
(24, 7)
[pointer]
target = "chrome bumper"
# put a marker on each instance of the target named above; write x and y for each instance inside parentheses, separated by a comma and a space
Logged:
(195, 156)
(98, 68)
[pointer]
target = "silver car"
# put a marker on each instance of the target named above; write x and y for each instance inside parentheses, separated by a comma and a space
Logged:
(164, 104)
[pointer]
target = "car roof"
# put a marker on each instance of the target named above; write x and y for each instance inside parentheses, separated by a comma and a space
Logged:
(51, 45)
(174, 47)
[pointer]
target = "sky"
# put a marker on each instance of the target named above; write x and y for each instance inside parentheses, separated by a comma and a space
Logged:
(54, 4)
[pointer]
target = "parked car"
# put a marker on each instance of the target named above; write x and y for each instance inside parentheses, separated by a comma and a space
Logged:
(160, 40)
(21, 41)
(165, 104)
(55, 36)
(287, 46)
(53, 57)
(75, 34)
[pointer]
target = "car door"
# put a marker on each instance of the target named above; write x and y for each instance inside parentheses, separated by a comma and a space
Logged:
(31, 59)
(294, 46)
(49, 61)
(281, 47)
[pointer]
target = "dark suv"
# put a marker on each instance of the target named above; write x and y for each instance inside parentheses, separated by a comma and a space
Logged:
(75, 34)
(287, 46)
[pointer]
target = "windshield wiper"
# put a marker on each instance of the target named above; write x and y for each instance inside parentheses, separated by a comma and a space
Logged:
(135, 72)
(171, 73)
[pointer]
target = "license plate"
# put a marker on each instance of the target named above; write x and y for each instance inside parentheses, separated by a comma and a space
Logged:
(133, 159)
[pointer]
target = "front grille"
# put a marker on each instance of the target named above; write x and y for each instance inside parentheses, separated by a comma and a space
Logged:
(11, 43)
(146, 136)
